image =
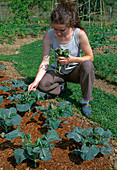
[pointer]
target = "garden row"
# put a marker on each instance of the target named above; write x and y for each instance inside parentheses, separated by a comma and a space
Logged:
(94, 140)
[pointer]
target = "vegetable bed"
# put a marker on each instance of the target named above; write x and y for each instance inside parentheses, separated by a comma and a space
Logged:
(32, 122)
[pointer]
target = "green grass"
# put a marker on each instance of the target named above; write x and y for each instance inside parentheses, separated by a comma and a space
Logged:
(106, 67)
(104, 106)
(28, 59)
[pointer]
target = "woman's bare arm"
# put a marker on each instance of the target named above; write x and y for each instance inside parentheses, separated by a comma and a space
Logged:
(44, 64)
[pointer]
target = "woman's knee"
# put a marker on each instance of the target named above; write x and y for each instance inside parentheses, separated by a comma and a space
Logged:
(87, 66)
(44, 85)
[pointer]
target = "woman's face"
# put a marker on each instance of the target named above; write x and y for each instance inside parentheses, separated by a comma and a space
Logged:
(60, 29)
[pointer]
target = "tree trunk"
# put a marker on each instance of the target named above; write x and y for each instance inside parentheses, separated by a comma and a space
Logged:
(89, 11)
(110, 13)
(101, 11)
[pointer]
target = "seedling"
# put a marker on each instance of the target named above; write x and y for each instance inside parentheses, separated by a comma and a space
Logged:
(34, 151)
(94, 140)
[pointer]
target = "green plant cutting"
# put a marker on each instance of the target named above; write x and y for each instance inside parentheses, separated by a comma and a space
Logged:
(63, 53)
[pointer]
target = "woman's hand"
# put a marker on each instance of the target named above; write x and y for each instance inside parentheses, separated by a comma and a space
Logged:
(64, 60)
(33, 86)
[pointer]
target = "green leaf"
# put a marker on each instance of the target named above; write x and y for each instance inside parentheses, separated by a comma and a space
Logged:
(22, 107)
(100, 131)
(2, 134)
(2, 67)
(10, 112)
(47, 156)
(10, 98)
(20, 155)
(2, 114)
(40, 108)
(88, 153)
(106, 150)
(39, 93)
(63, 103)
(14, 134)
(19, 83)
(76, 134)
(1, 99)
(107, 134)
(5, 88)
(52, 135)
(16, 120)
(52, 124)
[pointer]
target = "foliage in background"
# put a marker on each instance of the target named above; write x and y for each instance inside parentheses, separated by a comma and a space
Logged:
(106, 67)
(99, 35)
(21, 21)
(32, 17)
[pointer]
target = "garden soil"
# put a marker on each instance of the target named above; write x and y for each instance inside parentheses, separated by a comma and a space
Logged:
(62, 157)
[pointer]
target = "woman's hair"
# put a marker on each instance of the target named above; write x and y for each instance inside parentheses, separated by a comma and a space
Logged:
(66, 14)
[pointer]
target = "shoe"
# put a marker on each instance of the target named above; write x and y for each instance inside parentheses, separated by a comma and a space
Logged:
(86, 110)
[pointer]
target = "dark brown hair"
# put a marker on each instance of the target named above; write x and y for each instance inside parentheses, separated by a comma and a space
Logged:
(66, 14)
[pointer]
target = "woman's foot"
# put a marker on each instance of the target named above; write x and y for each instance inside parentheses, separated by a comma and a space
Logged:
(86, 110)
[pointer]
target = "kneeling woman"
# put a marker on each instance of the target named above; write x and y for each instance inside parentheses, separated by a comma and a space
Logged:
(67, 33)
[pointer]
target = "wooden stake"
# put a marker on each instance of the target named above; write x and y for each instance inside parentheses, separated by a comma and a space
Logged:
(104, 13)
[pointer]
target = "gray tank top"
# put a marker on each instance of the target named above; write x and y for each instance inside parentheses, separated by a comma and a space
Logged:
(73, 46)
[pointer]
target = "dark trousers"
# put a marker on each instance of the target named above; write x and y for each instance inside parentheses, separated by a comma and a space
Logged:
(83, 74)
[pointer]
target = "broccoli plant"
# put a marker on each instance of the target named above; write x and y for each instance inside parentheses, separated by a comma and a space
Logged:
(8, 118)
(64, 53)
(94, 140)
(15, 85)
(26, 99)
(63, 109)
(5, 87)
(34, 151)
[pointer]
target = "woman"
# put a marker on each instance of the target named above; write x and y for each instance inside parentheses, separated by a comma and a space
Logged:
(67, 33)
